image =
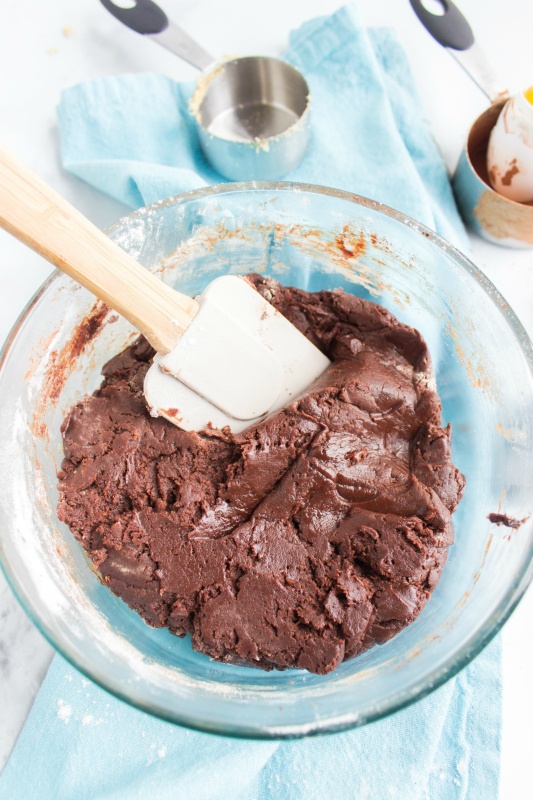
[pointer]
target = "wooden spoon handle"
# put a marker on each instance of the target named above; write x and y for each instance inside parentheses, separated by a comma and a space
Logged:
(42, 219)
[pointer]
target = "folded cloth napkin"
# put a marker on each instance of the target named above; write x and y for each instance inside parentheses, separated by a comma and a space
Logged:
(133, 138)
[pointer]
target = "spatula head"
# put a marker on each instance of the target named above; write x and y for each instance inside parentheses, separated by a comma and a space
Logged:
(238, 361)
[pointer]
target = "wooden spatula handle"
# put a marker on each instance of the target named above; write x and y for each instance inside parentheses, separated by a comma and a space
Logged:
(42, 219)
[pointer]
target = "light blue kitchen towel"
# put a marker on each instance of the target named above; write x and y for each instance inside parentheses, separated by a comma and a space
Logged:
(132, 137)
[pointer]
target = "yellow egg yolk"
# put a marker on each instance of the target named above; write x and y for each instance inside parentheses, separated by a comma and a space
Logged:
(528, 94)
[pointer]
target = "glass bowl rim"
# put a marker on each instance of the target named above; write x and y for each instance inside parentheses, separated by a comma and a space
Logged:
(435, 677)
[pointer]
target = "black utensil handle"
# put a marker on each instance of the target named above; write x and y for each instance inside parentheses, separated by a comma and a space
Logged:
(145, 16)
(449, 29)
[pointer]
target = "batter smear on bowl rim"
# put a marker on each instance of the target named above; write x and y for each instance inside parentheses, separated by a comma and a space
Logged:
(300, 542)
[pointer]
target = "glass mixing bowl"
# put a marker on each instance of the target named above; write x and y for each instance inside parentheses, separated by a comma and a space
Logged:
(313, 238)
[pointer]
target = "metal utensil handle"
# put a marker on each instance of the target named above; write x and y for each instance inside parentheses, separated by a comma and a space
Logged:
(147, 18)
(451, 30)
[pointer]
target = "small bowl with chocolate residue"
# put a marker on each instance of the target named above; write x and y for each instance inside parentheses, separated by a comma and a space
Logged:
(499, 141)
(314, 238)
(491, 215)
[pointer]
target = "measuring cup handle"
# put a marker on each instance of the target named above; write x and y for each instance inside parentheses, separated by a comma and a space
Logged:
(147, 18)
(450, 29)
(144, 17)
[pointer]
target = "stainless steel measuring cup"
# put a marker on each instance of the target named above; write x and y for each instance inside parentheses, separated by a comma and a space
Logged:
(488, 213)
(252, 113)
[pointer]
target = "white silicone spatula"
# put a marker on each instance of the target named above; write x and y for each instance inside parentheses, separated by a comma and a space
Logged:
(225, 358)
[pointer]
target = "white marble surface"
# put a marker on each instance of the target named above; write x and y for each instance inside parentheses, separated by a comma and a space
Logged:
(46, 47)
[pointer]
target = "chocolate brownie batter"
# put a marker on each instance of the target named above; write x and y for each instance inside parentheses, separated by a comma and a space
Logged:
(298, 543)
